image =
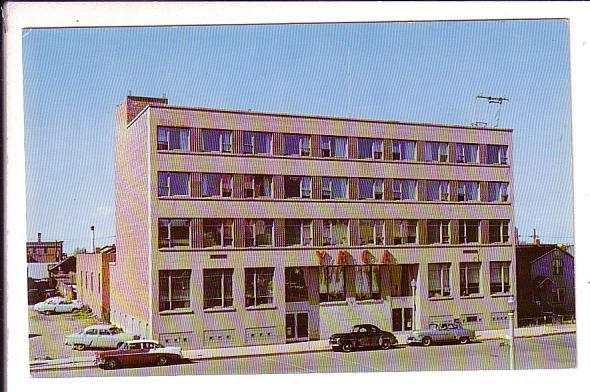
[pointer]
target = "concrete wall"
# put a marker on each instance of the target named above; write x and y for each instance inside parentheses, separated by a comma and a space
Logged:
(92, 277)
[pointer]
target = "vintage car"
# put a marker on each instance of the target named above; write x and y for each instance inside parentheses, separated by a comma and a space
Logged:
(99, 336)
(361, 336)
(138, 353)
(442, 333)
(57, 305)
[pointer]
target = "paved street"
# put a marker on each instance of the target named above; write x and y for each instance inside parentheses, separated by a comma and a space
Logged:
(553, 352)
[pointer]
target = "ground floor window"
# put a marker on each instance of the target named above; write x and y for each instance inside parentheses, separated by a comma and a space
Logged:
(259, 286)
(499, 277)
(332, 284)
(217, 288)
(557, 295)
(295, 286)
(174, 290)
(438, 280)
(367, 282)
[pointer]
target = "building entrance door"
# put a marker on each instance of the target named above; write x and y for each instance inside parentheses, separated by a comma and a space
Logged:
(297, 327)
(402, 319)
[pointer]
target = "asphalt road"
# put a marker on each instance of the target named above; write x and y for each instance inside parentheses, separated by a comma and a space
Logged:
(551, 352)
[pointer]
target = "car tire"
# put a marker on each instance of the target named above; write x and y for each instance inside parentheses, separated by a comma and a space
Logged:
(464, 339)
(426, 341)
(161, 361)
(79, 346)
(346, 347)
(111, 363)
(385, 344)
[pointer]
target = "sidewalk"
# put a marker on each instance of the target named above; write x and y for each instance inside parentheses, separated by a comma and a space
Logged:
(303, 347)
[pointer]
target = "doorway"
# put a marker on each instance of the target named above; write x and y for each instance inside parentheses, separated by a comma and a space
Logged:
(297, 327)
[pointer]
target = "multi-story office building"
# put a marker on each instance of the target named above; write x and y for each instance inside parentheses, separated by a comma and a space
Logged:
(237, 228)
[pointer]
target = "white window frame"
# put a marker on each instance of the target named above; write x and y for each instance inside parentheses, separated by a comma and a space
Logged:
(220, 143)
(499, 159)
(252, 183)
(463, 224)
(303, 240)
(329, 190)
(462, 189)
(252, 224)
(442, 269)
(442, 226)
(461, 153)
(330, 140)
(253, 143)
(225, 227)
(255, 286)
(331, 229)
(558, 292)
(398, 144)
(220, 273)
(400, 190)
(170, 299)
(175, 129)
(464, 269)
(168, 174)
(378, 230)
(169, 232)
(504, 269)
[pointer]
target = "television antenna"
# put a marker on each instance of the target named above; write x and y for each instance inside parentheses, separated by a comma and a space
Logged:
(490, 100)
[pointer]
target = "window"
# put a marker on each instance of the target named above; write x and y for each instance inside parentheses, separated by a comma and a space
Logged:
(405, 232)
(367, 282)
(468, 231)
(257, 143)
(217, 288)
(438, 280)
(497, 155)
(335, 232)
(217, 185)
(173, 233)
(558, 295)
(257, 186)
(259, 232)
(297, 232)
(332, 284)
(371, 232)
(370, 148)
(438, 232)
(467, 153)
(409, 272)
(218, 232)
(498, 192)
(404, 150)
(297, 145)
(557, 263)
(436, 152)
(499, 277)
(173, 184)
(468, 191)
(170, 138)
(469, 278)
(404, 189)
(499, 231)
(216, 140)
(370, 188)
(174, 289)
(295, 286)
(334, 188)
(437, 190)
(297, 187)
(259, 286)
(334, 147)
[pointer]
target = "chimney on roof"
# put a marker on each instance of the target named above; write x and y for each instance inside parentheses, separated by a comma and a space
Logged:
(38, 237)
(132, 106)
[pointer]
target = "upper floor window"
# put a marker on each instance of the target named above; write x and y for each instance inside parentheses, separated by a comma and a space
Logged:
(370, 188)
(469, 278)
(257, 143)
(499, 231)
(335, 232)
(218, 288)
(436, 152)
(438, 232)
(297, 187)
(371, 232)
(404, 150)
(173, 184)
(173, 233)
(334, 188)
(467, 153)
(468, 191)
(557, 263)
(298, 232)
(333, 146)
(174, 289)
(259, 286)
(497, 155)
(257, 186)
(558, 295)
(218, 232)
(404, 189)
(173, 138)
(297, 145)
(405, 231)
(295, 284)
(259, 232)
(367, 279)
(438, 280)
(499, 277)
(497, 191)
(213, 184)
(468, 231)
(370, 148)
(216, 140)
(437, 190)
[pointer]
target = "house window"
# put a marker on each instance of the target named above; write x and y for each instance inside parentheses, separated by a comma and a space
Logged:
(257, 186)
(469, 278)
(438, 232)
(468, 231)
(217, 185)
(297, 232)
(437, 190)
(436, 152)
(467, 153)
(468, 191)
(370, 188)
(216, 140)
(499, 277)
(218, 232)
(411, 231)
(438, 280)
(217, 288)
(557, 263)
(499, 231)
(173, 233)
(171, 138)
(259, 286)
(371, 232)
(297, 187)
(335, 232)
(334, 147)
(259, 232)
(498, 192)
(295, 286)
(370, 148)
(174, 289)
(404, 150)
(367, 282)
(332, 284)
(334, 188)
(297, 145)
(497, 155)
(558, 295)
(404, 189)
(173, 184)
(257, 143)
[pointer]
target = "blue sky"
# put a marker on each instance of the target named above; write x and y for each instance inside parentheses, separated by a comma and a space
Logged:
(417, 72)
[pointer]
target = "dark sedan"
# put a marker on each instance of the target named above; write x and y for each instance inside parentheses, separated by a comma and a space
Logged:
(362, 336)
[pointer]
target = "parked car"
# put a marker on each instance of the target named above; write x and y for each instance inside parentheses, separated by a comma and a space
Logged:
(139, 353)
(99, 336)
(57, 305)
(442, 333)
(361, 336)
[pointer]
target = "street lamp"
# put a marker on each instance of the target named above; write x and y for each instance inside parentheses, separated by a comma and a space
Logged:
(413, 303)
(511, 307)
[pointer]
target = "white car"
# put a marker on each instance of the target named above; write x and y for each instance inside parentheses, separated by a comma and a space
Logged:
(57, 305)
(99, 336)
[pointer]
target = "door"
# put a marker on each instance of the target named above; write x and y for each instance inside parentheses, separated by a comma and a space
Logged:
(398, 322)
(297, 326)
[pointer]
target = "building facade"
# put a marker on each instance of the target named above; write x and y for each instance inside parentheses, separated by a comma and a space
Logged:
(42, 255)
(239, 228)
(93, 280)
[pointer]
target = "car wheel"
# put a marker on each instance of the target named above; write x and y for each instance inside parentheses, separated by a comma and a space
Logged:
(111, 363)
(79, 346)
(464, 339)
(346, 347)
(385, 344)
(161, 361)
(426, 341)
